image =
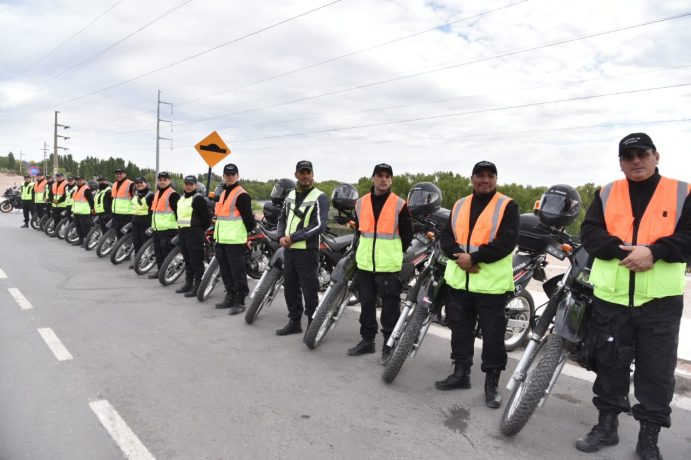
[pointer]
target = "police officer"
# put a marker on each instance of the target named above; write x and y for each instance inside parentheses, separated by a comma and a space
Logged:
(384, 232)
(639, 231)
(193, 220)
(83, 208)
(58, 197)
(122, 192)
(70, 188)
(40, 194)
(481, 235)
(141, 215)
(303, 218)
(103, 202)
(234, 220)
(164, 224)
(27, 200)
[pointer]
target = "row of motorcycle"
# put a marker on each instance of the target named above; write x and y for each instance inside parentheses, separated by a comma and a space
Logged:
(553, 332)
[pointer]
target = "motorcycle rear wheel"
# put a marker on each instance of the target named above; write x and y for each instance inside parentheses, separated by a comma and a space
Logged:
(6, 207)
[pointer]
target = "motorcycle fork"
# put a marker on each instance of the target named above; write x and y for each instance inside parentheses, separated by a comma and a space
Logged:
(555, 376)
(421, 335)
(528, 355)
(266, 272)
(400, 324)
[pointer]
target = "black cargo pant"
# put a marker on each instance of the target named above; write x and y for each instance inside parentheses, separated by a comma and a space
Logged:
(39, 208)
(163, 245)
(83, 222)
(119, 221)
(28, 209)
(139, 233)
(300, 279)
(57, 217)
(191, 244)
(388, 287)
(231, 263)
(650, 333)
(463, 310)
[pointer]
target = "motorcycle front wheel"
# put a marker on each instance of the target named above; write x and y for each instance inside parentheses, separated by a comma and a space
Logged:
(402, 348)
(6, 207)
(35, 221)
(60, 230)
(210, 279)
(264, 293)
(145, 259)
(71, 233)
(93, 237)
(323, 319)
(122, 250)
(172, 268)
(527, 394)
(106, 243)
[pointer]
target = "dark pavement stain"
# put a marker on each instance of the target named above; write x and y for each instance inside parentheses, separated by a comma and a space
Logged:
(304, 416)
(567, 398)
(456, 419)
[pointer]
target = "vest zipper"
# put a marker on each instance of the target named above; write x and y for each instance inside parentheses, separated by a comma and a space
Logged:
(632, 274)
(374, 239)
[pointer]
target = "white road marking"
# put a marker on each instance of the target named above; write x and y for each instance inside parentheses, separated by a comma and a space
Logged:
(124, 437)
(2, 274)
(23, 303)
(54, 343)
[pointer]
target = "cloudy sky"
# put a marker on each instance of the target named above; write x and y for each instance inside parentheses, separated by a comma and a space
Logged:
(544, 88)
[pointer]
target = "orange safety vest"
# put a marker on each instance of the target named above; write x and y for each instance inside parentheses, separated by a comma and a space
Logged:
(59, 192)
(122, 197)
(163, 216)
(229, 228)
(81, 204)
(380, 248)
(39, 192)
(40, 186)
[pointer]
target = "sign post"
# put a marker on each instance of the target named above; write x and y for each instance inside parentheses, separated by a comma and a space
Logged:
(212, 149)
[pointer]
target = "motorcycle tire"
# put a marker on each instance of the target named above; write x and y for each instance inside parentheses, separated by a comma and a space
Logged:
(145, 259)
(405, 344)
(106, 243)
(35, 221)
(50, 228)
(522, 319)
(323, 318)
(62, 228)
(71, 234)
(211, 277)
(527, 394)
(172, 268)
(44, 221)
(264, 293)
(93, 237)
(6, 207)
(256, 261)
(122, 250)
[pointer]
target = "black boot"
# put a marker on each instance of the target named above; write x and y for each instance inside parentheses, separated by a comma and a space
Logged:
(227, 302)
(293, 327)
(363, 347)
(193, 290)
(603, 434)
(492, 395)
(25, 225)
(646, 448)
(459, 379)
(238, 306)
(185, 287)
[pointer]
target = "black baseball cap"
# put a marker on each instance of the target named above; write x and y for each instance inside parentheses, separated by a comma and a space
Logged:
(119, 170)
(484, 165)
(139, 179)
(636, 141)
(163, 174)
(191, 179)
(382, 167)
(230, 168)
(70, 178)
(59, 174)
(78, 178)
(27, 176)
(304, 164)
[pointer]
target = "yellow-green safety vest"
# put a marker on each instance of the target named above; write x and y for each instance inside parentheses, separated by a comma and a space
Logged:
(26, 191)
(306, 208)
(139, 206)
(99, 204)
(185, 211)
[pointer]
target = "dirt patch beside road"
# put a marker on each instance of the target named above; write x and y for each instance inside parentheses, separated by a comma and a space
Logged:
(8, 180)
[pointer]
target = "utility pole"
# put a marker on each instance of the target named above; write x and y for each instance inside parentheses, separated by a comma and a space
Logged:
(158, 127)
(45, 158)
(55, 142)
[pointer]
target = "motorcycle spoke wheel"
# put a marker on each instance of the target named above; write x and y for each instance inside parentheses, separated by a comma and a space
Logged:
(405, 345)
(520, 311)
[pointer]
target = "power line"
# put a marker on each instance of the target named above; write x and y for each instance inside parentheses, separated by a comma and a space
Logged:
(353, 53)
(439, 69)
(109, 47)
(457, 114)
(64, 42)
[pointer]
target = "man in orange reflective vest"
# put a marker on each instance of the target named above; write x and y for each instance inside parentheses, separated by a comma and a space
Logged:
(384, 232)
(638, 229)
(164, 224)
(479, 240)
(40, 196)
(57, 196)
(121, 193)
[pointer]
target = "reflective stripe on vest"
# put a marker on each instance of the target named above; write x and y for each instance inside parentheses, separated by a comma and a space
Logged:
(40, 191)
(59, 192)
(611, 280)
(26, 191)
(306, 208)
(185, 211)
(495, 277)
(379, 248)
(80, 205)
(163, 216)
(229, 228)
(139, 206)
(122, 198)
(99, 204)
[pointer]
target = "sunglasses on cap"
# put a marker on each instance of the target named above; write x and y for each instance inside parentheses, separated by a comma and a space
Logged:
(629, 155)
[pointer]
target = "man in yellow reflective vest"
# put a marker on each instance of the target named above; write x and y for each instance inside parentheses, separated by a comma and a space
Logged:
(384, 232)
(27, 200)
(103, 202)
(638, 229)
(479, 240)
(82, 208)
(234, 220)
(193, 220)
(303, 218)
(164, 224)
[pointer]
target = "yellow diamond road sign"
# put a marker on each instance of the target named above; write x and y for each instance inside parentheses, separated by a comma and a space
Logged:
(212, 149)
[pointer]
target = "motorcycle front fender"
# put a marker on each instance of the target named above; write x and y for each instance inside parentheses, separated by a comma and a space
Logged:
(345, 268)
(277, 259)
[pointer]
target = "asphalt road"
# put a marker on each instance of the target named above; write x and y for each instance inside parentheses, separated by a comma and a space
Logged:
(191, 382)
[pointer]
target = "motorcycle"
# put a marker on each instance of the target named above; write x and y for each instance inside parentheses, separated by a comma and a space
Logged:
(570, 296)
(12, 199)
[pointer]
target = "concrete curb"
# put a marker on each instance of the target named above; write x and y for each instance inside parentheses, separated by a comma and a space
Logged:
(682, 378)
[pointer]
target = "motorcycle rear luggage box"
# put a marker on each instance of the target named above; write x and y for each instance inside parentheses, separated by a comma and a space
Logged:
(532, 237)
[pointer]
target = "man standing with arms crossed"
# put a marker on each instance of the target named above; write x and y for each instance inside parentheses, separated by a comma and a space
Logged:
(303, 218)
(639, 231)
(384, 232)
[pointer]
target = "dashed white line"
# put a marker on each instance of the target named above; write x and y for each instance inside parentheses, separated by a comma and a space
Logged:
(2, 274)
(23, 303)
(124, 437)
(54, 343)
